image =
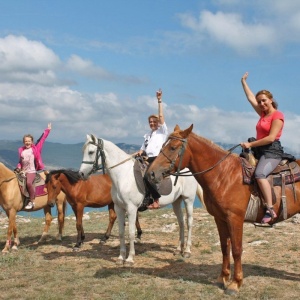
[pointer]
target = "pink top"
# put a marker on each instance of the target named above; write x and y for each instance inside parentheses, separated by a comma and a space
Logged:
(264, 124)
(37, 152)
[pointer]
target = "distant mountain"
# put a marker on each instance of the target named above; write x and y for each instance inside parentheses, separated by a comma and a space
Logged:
(64, 156)
(55, 155)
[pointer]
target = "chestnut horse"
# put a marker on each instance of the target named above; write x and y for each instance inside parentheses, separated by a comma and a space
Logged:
(128, 197)
(94, 192)
(226, 197)
(12, 201)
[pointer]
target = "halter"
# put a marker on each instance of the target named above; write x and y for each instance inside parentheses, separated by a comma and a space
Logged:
(180, 155)
(99, 153)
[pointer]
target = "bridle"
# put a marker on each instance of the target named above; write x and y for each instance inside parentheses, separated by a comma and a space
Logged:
(100, 153)
(180, 156)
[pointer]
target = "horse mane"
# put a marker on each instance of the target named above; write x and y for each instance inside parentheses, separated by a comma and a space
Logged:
(208, 142)
(72, 175)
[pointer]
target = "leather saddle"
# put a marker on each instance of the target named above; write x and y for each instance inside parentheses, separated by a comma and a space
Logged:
(139, 168)
(285, 174)
(38, 183)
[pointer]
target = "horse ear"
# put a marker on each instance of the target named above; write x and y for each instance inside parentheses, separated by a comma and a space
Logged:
(177, 128)
(93, 137)
(187, 131)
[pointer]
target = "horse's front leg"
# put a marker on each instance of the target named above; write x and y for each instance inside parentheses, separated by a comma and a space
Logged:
(132, 213)
(236, 236)
(189, 207)
(121, 223)
(178, 212)
(224, 277)
(79, 227)
(48, 220)
(12, 228)
(61, 210)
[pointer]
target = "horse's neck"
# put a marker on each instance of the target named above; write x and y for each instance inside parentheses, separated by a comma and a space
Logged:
(5, 173)
(207, 155)
(114, 155)
(64, 183)
(118, 162)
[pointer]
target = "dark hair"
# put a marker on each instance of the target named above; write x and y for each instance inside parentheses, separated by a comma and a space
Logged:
(269, 95)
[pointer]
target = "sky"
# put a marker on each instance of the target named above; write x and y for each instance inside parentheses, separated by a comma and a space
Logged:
(94, 67)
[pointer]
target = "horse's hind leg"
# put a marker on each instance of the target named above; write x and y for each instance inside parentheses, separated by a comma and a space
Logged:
(178, 212)
(112, 218)
(138, 227)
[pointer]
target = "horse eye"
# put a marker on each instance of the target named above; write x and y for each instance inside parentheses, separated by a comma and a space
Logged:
(173, 148)
(91, 152)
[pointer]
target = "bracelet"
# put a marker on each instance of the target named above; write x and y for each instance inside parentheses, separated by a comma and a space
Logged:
(159, 101)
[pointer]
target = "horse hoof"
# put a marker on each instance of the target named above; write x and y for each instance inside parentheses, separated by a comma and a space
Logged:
(120, 262)
(128, 263)
(186, 255)
(14, 248)
(176, 252)
(137, 241)
(76, 249)
(231, 292)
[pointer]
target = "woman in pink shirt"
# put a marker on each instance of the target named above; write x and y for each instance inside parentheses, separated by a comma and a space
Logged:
(268, 132)
(30, 161)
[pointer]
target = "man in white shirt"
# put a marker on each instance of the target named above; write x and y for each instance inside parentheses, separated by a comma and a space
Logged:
(153, 142)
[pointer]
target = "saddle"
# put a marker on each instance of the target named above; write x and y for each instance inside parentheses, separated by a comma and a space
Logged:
(285, 175)
(139, 169)
(38, 183)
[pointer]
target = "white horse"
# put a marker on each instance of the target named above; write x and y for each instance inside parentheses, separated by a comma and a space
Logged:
(127, 197)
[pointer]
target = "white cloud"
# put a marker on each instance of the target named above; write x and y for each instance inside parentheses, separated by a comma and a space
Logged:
(246, 28)
(87, 68)
(28, 105)
(23, 60)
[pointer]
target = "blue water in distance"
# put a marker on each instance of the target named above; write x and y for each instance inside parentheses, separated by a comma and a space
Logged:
(69, 211)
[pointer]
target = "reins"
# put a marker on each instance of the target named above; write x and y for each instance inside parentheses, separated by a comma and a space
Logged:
(210, 168)
(180, 155)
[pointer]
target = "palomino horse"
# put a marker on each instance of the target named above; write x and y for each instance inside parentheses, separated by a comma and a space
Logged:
(94, 192)
(11, 201)
(226, 197)
(128, 197)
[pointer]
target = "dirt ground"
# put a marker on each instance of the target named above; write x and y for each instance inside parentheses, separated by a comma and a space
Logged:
(271, 261)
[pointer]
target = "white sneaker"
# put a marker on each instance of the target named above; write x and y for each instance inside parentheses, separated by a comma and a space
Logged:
(30, 205)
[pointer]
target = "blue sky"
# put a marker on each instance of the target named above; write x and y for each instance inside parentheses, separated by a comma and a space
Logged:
(94, 66)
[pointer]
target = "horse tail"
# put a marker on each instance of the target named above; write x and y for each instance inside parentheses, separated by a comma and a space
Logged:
(199, 193)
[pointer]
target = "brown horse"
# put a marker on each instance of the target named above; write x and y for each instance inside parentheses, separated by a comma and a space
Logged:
(93, 192)
(226, 197)
(12, 201)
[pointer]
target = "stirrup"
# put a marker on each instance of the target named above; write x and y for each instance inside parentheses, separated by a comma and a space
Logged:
(269, 216)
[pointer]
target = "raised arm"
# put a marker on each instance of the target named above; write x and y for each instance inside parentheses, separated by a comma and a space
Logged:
(249, 94)
(161, 118)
